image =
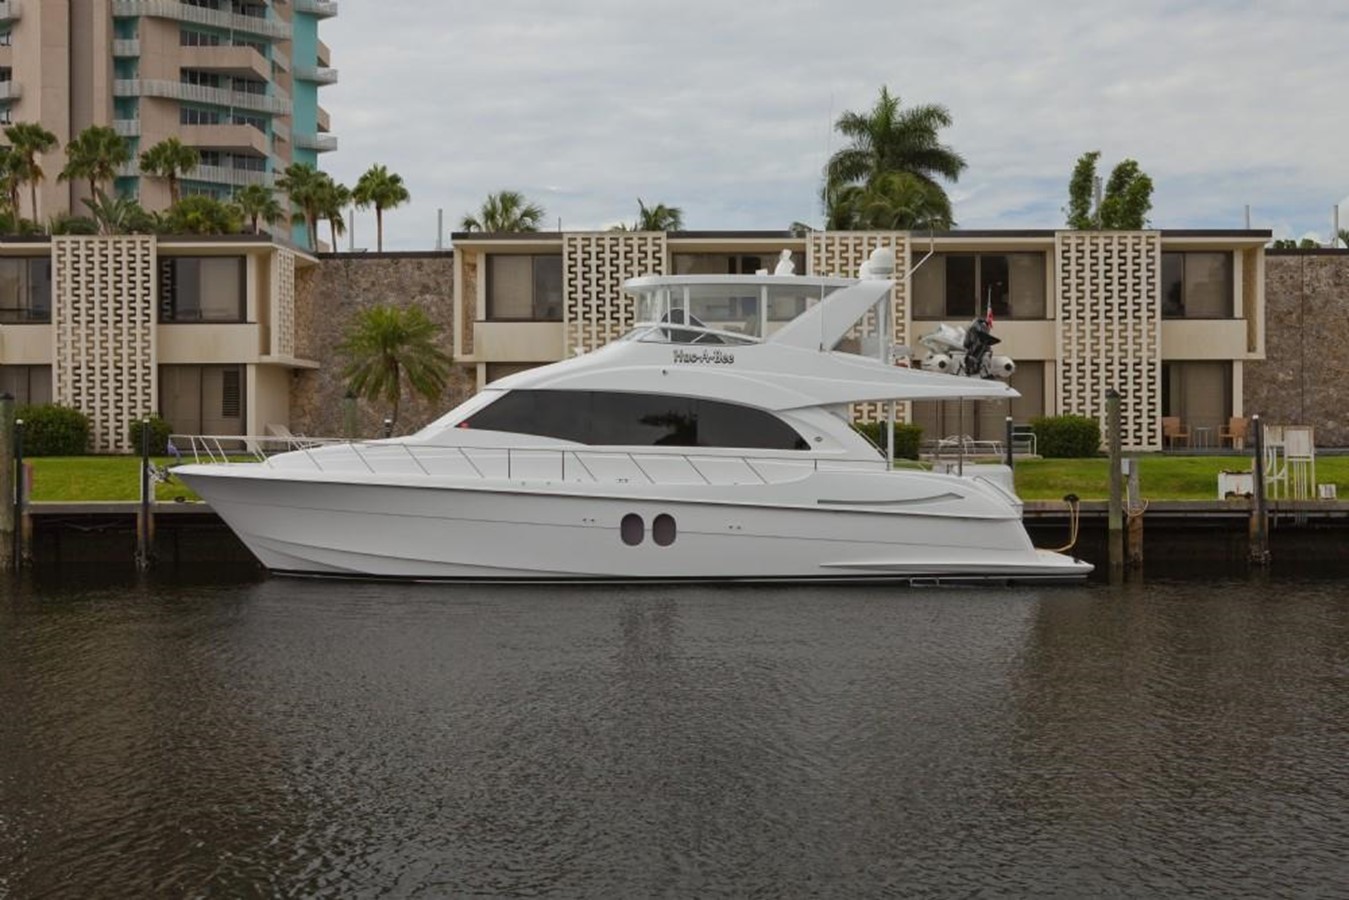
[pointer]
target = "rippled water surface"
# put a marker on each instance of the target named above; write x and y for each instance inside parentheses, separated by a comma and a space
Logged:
(306, 738)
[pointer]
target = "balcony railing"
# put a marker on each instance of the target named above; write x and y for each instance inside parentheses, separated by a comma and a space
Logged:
(126, 47)
(318, 74)
(10, 90)
(212, 174)
(172, 9)
(9, 9)
(323, 143)
(196, 93)
(127, 127)
(320, 8)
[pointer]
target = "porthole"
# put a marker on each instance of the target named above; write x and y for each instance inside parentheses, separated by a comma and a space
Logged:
(632, 529)
(663, 530)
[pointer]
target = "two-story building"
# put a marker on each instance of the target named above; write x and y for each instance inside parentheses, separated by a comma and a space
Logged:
(1168, 318)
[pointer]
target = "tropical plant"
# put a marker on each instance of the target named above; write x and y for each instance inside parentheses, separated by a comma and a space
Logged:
(69, 223)
(95, 154)
(505, 212)
(28, 140)
(335, 199)
(118, 215)
(1124, 205)
(1343, 235)
(892, 201)
(658, 218)
(52, 430)
(884, 141)
(258, 202)
(168, 159)
(386, 346)
(1294, 244)
(200, 214)
(11, 178)
(303, 184)
(382, 189)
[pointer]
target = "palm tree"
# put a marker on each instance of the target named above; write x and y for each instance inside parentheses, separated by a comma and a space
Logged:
(505, 212)
(385, 346)
(169, 159)
(118, 215)
(200, 214)
(335, 199)
(895, 201)
(28, 140)
(257, 201)
(11, 177)
(303, 184)
(95, 154)
(658, 218)
(887, 140)
(380, 188)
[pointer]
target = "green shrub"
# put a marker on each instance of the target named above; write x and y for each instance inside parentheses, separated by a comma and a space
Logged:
(1067, 437)
(907, 437)
(159, 436)
(51, 430)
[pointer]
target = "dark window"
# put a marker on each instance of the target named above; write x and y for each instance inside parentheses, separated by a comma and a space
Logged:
(731, 263)
(1197, 286)
(26, 289)
(201, 289)
(524, 287)
(962, 285)
(27, 384)
(632, 529)
(641, 420)
(202, 399)
(663, 530)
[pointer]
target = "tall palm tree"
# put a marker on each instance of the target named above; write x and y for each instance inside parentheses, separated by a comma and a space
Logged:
(336, 197)
(303, 184)
(895, 201)
(886, 140)
(386, 346)
(11, 178)
(168, 159)
(95, 154)
(506, 212)
(257, 201)
(658, 218)
(29, 140)
(382, 189)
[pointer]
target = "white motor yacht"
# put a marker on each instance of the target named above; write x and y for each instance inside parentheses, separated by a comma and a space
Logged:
(714, 441)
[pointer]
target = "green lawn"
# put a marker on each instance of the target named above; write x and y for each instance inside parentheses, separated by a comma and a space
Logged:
(89, 478)
(1160, 477)
(76, 479)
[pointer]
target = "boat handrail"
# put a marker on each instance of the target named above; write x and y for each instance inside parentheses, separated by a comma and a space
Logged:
(260, 449)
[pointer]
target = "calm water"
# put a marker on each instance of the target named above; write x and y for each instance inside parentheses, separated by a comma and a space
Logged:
(304, 738)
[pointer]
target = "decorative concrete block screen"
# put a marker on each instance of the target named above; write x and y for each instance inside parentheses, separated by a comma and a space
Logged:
(283, 310)
(594, 267)
(839, 254)
(1109, 329)
(103, 316)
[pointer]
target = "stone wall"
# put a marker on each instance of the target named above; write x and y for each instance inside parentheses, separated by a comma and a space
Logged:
(1304, 378)
(328, 296)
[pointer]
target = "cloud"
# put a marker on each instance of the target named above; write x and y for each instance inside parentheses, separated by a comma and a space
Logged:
(724, 110)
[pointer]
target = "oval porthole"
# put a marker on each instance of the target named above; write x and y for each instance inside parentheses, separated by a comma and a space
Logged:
(632, 529)
(663, 530)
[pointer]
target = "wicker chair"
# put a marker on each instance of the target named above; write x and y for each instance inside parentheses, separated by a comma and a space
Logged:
(1233, 433)
(1173, 432)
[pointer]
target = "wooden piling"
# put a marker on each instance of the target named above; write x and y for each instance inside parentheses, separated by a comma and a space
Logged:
(145, 526)
(8, 558)
(1116, 510)
(1259, 531)
(1134, 536)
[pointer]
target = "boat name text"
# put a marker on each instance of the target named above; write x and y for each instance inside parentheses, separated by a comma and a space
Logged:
(704, 357)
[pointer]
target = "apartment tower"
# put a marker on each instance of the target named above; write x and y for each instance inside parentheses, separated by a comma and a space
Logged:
(236, 79)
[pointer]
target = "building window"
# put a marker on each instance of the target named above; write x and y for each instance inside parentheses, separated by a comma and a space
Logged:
(962, 285)
(1199, 393)
(524, 288)
(1197, 286)
(611, 418)
(26, 289)
(190, 38)
(202, 399)
(189, 115)
(498, 370)
(27, 384)
(985, 420)
(201, 289)
(731, 263)
(6, 38)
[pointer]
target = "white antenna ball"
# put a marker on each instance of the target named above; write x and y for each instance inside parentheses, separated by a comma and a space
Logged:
(882, 262)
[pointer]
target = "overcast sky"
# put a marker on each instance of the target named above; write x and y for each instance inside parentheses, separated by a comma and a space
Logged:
(724, 109)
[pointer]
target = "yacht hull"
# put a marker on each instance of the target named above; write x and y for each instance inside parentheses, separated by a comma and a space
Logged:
(549, 532)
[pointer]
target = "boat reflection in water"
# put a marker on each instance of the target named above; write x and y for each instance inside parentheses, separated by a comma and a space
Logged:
(713, 441)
